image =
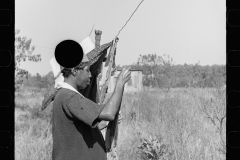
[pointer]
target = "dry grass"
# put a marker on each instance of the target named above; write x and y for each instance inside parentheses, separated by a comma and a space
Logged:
(155, 125)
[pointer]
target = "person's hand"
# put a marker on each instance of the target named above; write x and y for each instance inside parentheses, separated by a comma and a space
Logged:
(124, 76)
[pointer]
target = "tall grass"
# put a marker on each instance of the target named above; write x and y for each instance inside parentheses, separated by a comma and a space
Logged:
(181, 124)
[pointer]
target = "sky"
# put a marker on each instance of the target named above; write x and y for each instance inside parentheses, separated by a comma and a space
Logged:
(188, 31)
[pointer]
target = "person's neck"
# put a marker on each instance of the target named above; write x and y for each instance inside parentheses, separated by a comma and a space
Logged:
(68, 81)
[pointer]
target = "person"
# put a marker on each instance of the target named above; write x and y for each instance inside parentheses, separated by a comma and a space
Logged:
(76, 135)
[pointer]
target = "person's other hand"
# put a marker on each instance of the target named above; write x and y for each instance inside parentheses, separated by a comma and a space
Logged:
(124, 76)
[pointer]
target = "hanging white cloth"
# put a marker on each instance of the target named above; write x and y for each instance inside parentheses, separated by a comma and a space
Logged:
(87, 46)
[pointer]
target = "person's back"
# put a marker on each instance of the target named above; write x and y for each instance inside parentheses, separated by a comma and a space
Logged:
(73, 138)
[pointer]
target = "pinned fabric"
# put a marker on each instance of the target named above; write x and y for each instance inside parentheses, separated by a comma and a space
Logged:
(95, 57)
(56, 68)
(97, 52)
(87, 45)
(92, 54)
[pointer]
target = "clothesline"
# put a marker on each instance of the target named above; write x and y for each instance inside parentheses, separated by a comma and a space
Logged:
(130, 17)
(119, 30)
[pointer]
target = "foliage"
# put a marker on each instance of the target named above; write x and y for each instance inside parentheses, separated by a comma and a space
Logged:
(154, 149)
(23, 52)
(216, 114)
(159, 71)
(156, 69)
(175, 120)
(39, 81)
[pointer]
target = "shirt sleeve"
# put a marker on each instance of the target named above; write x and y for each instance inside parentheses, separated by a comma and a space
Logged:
(84, 109)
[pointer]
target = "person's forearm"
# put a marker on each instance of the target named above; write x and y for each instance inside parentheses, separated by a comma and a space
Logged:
(112, 106)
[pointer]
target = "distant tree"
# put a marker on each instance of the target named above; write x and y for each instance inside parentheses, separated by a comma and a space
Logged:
(157, 69)
(38, 76)
(48, 80)
(50, 77)
(29, 81)
(40, 82)
(23, 52)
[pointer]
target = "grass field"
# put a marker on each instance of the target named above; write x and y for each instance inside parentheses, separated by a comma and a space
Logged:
(182, 124)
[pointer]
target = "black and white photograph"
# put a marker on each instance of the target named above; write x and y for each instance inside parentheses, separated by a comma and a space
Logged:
(120, 80)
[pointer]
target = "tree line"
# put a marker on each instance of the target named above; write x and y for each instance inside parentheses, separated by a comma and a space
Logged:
(158, 71)
(39, 81)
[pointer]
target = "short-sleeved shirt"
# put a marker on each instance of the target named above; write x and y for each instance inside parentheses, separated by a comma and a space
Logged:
(75, 132)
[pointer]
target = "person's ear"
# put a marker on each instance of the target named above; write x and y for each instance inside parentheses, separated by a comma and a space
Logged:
(74, 72)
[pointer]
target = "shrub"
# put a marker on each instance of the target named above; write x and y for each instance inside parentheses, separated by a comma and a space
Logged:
(153, 148)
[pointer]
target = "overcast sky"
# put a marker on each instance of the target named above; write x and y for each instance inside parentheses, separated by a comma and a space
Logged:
(189, 31)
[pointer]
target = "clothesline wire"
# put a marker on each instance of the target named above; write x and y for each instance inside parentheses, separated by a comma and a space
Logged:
(91, 30)
(119, 30)
(130, 17)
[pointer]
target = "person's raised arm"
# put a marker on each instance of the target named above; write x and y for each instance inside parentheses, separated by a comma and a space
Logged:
(113, 104)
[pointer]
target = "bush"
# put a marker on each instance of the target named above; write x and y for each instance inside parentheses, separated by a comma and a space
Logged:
(153, 148)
